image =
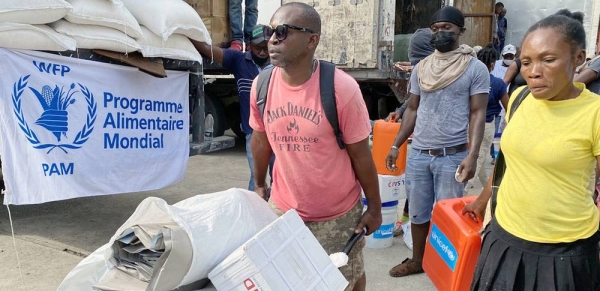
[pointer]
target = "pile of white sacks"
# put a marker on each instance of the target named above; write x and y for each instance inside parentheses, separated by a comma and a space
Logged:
(156, 28)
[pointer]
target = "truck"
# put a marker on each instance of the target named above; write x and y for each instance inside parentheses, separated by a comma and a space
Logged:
(363, 38)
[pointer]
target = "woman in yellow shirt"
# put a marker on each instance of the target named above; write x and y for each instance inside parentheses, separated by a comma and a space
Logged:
(544, 234)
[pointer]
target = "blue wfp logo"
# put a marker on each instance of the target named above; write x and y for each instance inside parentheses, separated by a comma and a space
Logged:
(54, 117)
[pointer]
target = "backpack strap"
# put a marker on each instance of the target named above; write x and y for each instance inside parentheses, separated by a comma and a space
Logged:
(519, 100)
(500, 166)
(262, 86)
(326, 84)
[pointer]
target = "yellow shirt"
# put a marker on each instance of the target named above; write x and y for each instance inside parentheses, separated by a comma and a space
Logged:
(550, 149)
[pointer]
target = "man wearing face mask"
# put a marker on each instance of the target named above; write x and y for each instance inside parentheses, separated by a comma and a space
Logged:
(508, 57)
(447, 110)
(244, 66)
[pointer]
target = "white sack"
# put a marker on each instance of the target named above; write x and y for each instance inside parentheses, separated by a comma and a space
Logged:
(167, 17)
(104, 13)
(216, 224)
(33, 11)
(176, 47)
(97, 37)
(33, 37)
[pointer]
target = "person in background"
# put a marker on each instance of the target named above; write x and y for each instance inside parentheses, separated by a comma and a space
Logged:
(244, 66)
(590, 76)
(508, 57)
(497, 96)
(544, 231)
(242, 25)
(312, 174)
(419, 48)
(509, 53)
(495, 28)
(502, 29)
(449, 94)
(513, 76)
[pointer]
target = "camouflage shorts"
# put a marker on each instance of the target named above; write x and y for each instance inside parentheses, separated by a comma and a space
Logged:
(334, 234)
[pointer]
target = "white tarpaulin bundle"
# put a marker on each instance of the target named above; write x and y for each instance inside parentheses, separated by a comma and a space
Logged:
(201, 231)
(74, 128)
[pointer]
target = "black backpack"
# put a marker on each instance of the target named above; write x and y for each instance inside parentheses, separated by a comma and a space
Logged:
(326, 84)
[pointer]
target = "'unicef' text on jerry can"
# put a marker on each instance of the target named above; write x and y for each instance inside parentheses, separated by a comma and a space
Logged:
(452, 246)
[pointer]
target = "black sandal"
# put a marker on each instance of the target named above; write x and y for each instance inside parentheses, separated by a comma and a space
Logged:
(406, 268)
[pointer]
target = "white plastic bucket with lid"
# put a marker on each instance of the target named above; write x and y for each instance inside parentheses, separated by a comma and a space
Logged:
(383, 237)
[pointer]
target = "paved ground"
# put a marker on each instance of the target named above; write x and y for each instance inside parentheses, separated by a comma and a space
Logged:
(52, 238)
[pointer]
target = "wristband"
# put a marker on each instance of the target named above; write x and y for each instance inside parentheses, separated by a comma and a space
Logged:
(394, 147)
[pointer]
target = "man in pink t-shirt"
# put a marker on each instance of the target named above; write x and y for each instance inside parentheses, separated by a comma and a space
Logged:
(311, 173)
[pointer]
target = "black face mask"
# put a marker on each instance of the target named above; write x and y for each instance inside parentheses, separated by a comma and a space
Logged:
(443, 41)
(259, 61)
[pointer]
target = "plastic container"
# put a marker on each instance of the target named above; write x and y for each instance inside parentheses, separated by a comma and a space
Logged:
(383, 237)
(391, 188)
(384, 134)
(283, 256)
(496, 143)
(452, 246)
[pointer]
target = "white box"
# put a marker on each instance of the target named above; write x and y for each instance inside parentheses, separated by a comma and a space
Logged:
(283, 256)
(391, 188)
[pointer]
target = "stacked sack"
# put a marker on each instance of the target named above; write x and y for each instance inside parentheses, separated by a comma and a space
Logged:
(24, 25)
(156, 28)
(165, 247)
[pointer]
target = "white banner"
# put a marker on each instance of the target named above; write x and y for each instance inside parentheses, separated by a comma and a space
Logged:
(74, 128)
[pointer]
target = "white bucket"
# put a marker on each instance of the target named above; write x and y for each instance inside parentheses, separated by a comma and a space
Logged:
(496, 143)
(383, 237)
(391, 188)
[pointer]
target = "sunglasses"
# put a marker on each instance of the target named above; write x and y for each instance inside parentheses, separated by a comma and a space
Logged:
(281, 31)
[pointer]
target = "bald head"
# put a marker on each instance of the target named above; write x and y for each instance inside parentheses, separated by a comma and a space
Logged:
(305, 15)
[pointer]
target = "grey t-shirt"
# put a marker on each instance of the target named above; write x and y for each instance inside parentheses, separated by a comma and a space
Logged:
(594, 86)
(443, 115)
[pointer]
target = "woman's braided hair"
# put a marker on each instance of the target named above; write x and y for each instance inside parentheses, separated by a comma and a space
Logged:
(488, 55)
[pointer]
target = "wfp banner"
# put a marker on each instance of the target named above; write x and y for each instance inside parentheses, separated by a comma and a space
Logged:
(74, 128)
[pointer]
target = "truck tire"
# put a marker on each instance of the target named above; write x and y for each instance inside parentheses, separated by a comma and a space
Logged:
(215, 108)
(235, 119)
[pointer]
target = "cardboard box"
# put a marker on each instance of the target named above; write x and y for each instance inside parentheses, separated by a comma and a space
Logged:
(218, 28)
(391, 188)
(283, 256)
(210, 8)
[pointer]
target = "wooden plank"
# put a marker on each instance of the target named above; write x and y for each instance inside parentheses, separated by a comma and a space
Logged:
(478, 21)
(152, 66)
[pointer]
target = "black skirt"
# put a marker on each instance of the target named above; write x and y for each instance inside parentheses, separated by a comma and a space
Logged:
(508, 263)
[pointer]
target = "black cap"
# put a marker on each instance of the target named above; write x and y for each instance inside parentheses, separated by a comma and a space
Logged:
(449, 14)
(258, 35)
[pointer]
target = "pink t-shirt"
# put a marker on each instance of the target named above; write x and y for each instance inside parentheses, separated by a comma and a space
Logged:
(311, 173)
